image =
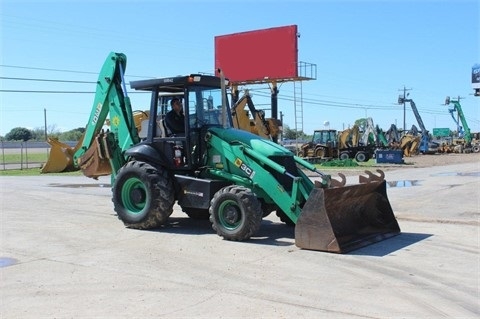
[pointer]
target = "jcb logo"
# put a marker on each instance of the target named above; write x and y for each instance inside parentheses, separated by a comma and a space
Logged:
(98, 109)
(247, 170)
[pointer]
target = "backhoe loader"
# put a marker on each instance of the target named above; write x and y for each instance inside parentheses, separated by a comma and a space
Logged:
(260, 125)
(213, 171)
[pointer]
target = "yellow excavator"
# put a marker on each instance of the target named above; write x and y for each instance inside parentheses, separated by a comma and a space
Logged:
(259, 125)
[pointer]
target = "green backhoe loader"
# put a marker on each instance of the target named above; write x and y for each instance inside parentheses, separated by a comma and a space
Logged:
(213, 171)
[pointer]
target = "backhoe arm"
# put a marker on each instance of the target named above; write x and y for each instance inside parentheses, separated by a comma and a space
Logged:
(102, 153)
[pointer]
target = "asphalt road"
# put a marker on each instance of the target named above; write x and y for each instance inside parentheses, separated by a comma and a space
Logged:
(64, 254)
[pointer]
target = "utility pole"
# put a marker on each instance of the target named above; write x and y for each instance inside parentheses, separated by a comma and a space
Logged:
(404, 107)
(281, 123)
(45, 118)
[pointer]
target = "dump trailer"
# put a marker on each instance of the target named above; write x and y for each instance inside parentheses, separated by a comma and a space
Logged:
(213, 171)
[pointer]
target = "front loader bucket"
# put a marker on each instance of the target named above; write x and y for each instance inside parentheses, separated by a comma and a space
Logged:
(60, 158)
(345, 218)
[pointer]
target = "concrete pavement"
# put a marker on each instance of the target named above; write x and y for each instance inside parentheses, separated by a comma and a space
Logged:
(64, 254)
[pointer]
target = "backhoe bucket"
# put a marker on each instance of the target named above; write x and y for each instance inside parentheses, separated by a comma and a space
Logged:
(345, 218)
(94, 162)
(60, 158)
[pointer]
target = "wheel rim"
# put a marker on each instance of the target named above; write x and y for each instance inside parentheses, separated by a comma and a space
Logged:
(229, 214)
(134, 195)
(361, 157)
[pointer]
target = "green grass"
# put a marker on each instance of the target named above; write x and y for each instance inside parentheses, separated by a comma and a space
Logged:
(28, 158)
(345, 164)
(34, 160)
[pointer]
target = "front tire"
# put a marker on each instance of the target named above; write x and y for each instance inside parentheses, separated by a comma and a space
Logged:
(344, 156)
(143, 195)
(320, 152)
(235, 213)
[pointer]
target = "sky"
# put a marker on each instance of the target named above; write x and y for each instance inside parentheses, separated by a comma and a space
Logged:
(365, 53)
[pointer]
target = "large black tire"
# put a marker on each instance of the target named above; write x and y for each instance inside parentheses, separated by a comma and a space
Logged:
(320, 152)
(361, 157)
(143, 195)
(235, 213)
(344, 156)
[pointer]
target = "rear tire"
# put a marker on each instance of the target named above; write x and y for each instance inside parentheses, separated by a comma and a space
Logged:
(235, 213)
(361, 157)
(143, 195)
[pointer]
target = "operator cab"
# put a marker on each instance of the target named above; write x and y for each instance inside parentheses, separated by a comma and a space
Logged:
(202, 99)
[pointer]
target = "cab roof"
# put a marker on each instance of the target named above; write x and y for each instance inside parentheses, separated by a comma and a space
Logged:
(177, 83)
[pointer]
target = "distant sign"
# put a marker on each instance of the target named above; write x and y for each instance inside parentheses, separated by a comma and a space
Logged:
(476, 76)
(441, 132)
(476, 79)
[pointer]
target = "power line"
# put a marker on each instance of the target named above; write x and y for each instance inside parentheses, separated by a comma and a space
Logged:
(61, 70)
(46, 80)
(62, 92)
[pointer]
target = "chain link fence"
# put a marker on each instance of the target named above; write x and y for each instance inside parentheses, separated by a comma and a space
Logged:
(25, 155)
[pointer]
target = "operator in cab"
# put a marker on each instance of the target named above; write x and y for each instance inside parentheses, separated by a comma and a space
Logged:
(175, 119)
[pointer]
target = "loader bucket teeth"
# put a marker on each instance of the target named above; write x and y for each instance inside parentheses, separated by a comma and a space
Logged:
(339, 183)
(342, 219)
(327, 181)
(372, 177)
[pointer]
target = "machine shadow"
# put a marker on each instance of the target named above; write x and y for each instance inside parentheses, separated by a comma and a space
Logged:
(270, 233)
(390, 245)
(279, 234)
(186, 226)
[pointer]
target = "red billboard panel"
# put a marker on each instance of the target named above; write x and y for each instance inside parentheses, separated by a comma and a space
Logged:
(258, 55)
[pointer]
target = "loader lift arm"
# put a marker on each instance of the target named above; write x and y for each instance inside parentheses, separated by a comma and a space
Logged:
(101, 153)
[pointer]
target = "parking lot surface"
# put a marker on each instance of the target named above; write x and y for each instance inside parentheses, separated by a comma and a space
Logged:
(65, 254)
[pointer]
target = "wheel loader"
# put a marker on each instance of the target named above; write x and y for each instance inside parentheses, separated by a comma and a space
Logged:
(213, 171)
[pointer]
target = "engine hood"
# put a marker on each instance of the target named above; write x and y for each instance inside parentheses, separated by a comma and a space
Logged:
(255, 142)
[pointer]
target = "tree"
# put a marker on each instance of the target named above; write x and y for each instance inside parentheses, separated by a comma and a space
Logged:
(72, 135)
(290, 134)
(19, 134)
